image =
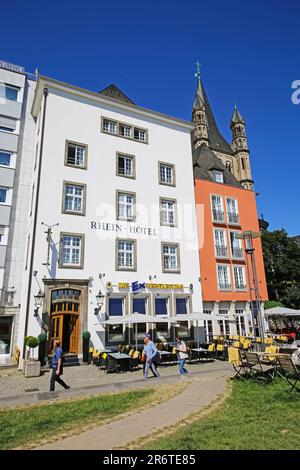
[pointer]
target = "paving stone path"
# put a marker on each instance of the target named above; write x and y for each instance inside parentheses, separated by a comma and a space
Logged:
(203, 389)
(17, 390)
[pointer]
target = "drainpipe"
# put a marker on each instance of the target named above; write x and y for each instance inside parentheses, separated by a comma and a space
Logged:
(35, 218)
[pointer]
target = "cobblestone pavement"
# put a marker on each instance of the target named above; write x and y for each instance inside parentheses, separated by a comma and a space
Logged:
(13, 383)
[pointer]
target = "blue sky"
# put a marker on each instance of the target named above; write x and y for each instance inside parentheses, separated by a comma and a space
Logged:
(249, 53)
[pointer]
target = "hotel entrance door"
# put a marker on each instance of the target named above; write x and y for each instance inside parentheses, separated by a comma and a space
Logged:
(64, 324)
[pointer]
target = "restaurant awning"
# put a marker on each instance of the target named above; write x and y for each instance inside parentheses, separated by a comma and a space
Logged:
(282, 311)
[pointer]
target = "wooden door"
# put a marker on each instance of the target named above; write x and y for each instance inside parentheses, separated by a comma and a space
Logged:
(73, 332)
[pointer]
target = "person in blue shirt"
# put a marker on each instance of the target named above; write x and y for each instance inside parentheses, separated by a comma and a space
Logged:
(57, 368)
(151, 353)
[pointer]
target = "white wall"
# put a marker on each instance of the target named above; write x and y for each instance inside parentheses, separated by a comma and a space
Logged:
(70, 118)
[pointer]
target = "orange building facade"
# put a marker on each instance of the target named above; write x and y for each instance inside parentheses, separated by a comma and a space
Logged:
(224, 274)
(224, 193)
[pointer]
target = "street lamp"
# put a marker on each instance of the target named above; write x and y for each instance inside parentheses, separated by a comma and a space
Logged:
(38, 301)
(100, 301)
(248, 237)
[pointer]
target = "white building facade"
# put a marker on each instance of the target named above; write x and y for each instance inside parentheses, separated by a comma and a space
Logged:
(114, 182)
(17, 135)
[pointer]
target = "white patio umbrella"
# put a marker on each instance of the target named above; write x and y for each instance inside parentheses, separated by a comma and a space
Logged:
(135, 318)
(282, 311)
(193, 316)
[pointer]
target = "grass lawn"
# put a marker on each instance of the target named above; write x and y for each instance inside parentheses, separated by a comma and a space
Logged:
(254, 417)
(22, 426)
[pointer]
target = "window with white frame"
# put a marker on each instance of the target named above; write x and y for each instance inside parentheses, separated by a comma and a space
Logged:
(125, 206)
(232, 211)
(140, 134)
(5, 158)
(168, 212)
(240, 322)
(209, 332)
(207, 311)
(161, 306)
(217, 208)
(239, 277)
(126, 255)
(170, 254)
(74, 198)
(9, 92)
(115, 306)
(3, 195)
(125, 165)
(224, 282)
(167, 174)
(71, 250)
(223, 311)
(236, 246)
(139, 305)
(181, 305)
(224, 327)
(218, 176)
(76, 155)
(109, 126)
(125, 131)
(220, 243)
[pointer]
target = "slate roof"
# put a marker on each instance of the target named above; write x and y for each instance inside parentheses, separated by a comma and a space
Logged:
(112, 91)
(205, 161)
(216, 140)
(199, 98)
(237, 117)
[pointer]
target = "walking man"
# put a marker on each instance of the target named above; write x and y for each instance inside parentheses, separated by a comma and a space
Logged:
(151, 356)
(181, 355)
(57, 368)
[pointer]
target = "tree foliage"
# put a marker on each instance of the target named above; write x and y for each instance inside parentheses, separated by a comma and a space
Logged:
(282, 265)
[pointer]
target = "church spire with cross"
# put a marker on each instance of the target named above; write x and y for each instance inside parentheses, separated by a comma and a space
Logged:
(199, 116)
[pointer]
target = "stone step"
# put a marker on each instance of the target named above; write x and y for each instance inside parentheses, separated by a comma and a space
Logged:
(70, 360)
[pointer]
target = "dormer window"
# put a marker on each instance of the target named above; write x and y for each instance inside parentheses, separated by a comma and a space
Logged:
(218, 176)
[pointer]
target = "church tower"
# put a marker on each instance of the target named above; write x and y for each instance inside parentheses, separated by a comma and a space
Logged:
(199, 115)
(241, 170)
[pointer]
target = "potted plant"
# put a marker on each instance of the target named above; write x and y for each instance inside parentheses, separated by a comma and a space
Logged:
(85, 346)
(42, 338)
(32, 366)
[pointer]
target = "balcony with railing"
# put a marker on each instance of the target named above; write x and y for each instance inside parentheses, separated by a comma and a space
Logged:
(221, 251)
(233, 218)
(218, 216)
(237, 253)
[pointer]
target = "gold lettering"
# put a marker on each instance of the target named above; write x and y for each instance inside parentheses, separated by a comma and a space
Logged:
(123, 285)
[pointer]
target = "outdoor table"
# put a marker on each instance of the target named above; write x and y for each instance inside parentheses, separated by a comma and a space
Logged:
(167, 356)
(122, 362)
(288, 349)
(201, 353)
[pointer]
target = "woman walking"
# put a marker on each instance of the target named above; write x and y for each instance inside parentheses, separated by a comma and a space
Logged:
(181, 355)
(151, 354)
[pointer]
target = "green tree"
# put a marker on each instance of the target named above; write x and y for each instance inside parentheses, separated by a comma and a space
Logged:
(282, 265)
